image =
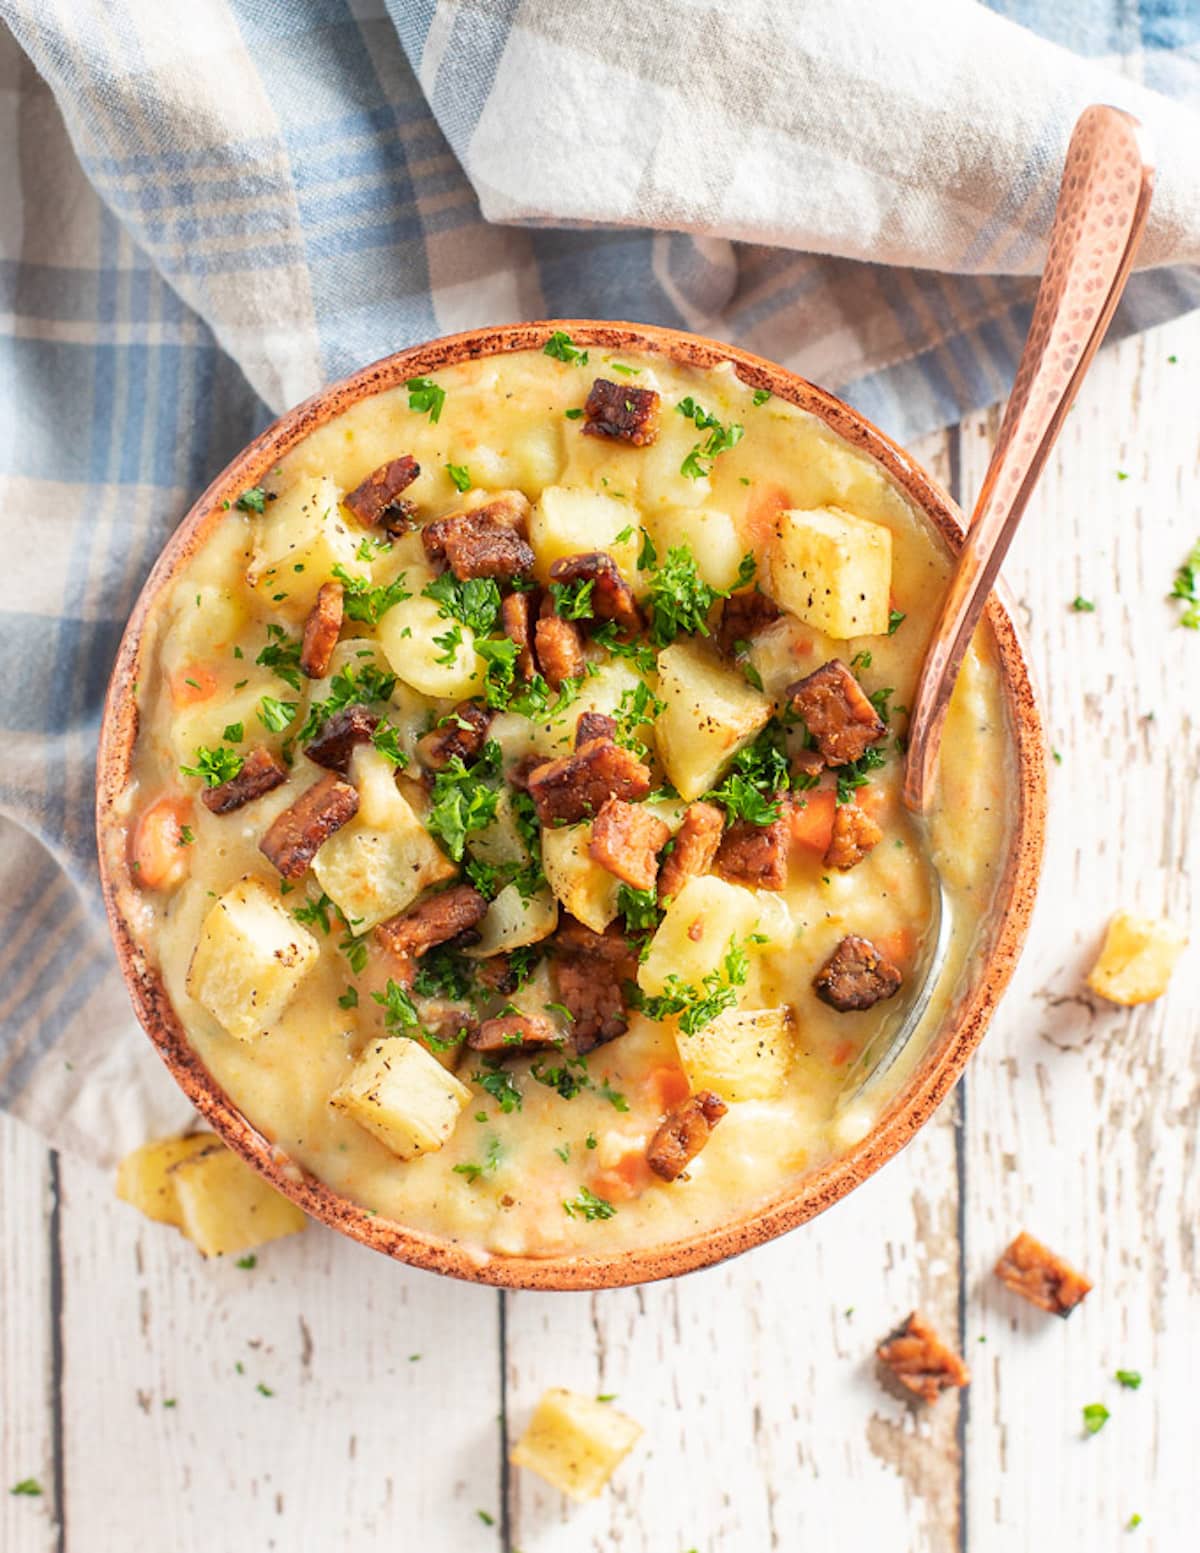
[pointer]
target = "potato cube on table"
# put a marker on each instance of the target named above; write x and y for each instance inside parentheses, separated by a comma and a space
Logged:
(710, 714)
(144, 1178)
(575, 1442)
(743, 1054)
(226, 1207)
(401, 1093)
(1137, 959)
(833, 570)
(251, 958)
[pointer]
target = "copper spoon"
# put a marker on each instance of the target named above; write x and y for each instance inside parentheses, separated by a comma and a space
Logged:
(1103, 201)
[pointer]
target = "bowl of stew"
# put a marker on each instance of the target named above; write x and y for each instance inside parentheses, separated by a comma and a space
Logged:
(499, 803)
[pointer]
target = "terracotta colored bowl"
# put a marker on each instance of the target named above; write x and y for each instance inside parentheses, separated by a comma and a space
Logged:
(933, 1076)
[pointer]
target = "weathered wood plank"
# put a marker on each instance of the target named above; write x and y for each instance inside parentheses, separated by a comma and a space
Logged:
(384, 1382)
(1082, 1117)
(27, 1412)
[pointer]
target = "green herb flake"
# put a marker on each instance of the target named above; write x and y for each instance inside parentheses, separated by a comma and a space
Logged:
(349, 998)
(1082, 606)
(275, 715)
(488, 1520)
(559, 346)
(234, 733)
(186, 836)
(721, 438)
(29, 1488)
(573, 415)
(426, 397)
(501, 1087)
(282, 656)
(252, 500)
(264, 1390)
(761, 395)
(586, 1205)
(896, 618)
(215, 766)
(606, 1396)
(1130, 1379)
(1095, 1416)
(1135, 1519)
(463, 799)
(1185, 589)
(461, 476)
(1056, 756)
(247, 1263)
(1122, 474)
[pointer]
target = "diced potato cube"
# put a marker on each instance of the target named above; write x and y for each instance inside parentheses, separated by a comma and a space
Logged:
(566, 522)
(694, 934)
(528, 460)
(251, 958)
(711, 536)
(382, 860)
(144, 1179)
(833, 570)
(403, 1095)
(588, 891)
(205, 722)
(205, 623)
(1137, 959)
(743, 1054)
(302, 536)
(711, 713)
(429, 650)
(226, 1207)
(575, 1442)
(500, 842)
(512, 921)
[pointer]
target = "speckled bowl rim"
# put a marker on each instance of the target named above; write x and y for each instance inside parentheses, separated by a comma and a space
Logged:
(933, 1077)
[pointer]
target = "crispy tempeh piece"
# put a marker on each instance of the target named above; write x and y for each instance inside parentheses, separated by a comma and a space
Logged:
(515, 1035)
(920, 1360)
(856, 976)
(695, 848)
(683, 1133)
(612, 598)
(321, 630)
(378, 501)
(296, 835)
(577, 786)
(854, 834)
(754, 854)
(462, 732)
(626, 839)
(742, 615)
(807, 763)
(435, 920)
(559, 649)
(589, 970)
(837, 712)
(261, 773)
(621, 413)
(516, 621)
(594, 725)
(339, 735)
(487, 541)
(1033, 1271)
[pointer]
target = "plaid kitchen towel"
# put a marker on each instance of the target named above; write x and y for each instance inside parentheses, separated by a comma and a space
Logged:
(210, 207)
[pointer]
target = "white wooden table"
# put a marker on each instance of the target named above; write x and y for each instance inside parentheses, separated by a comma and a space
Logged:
(329, 1400)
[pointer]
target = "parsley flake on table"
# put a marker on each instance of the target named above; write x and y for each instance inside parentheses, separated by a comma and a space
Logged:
(29, 1488)
(1130, 1379)
(1082, 606)
(1095, 1416)
(247, 1263)
(426, 397)
(1185, 589)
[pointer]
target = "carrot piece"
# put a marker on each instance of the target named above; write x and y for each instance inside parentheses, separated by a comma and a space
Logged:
(160, 857)
(899, 946)
(668, 1087)
(841, 1054)
(811, 818)
(193, 683)
(623, 1181)
(764, 507)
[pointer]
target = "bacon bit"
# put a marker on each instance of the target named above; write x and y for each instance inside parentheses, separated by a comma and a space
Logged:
(377, 500)
(193, 683)
(854, 834)
(339, 736)
(559, 649)
(742, 615)
(261, 773)
(487, 541)
(695, 847)
(523, 768)
(589, 969)
(837, 713)
(578, 785)
(1034, 1272)
(321, 630)
(594, 725)
(159, 856)
(626, 839)
(808, 763)
(625, 414)
(516, 621)
(856, 976)
(612, 597)
(464, 735)
(297, 834)
(921, 1361)
(515, 1035)
(435, 920)
(684, 1132)
(810, 819)
(754, 854)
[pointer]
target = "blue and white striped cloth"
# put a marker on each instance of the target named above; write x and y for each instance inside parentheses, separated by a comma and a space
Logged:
(210, 207)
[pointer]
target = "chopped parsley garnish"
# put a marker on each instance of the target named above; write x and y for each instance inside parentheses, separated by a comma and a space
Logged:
(369, 548)
(400, 1012)
(680, 599)
(282, 656)
(586, 1205)
(1185, 589)
(444, 973)
(880, 699)
(647, 554)
(698, 464)
(215, 766)
(500, 655)
(639, 909)
(861, 660)
(488, 1168)
(896, 618)
(560, 347)
(643, 658)
(475, 602)
(857, 773)
(387, 741)
(539, 703)
(1130, 1379)
(355, 949)
(761, 395)
(461, 476)
(573, 600)
(567, 1078)
(368, 604)
(233, 733)
(186, 836)
(1082, 606)
(500, 1085)
(638, 706)
(252, 500)
(463, 801)
(275, 715)
(348, 687)
(349, 998)
(1095, 1416)
(699, 1007)
(758, 774)
(573, 415)
(426, 397)
(315, 913)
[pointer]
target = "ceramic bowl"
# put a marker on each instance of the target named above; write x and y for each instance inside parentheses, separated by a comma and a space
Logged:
(948, 1051)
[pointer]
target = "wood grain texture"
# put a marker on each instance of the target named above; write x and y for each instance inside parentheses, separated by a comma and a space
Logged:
(765, 1425)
